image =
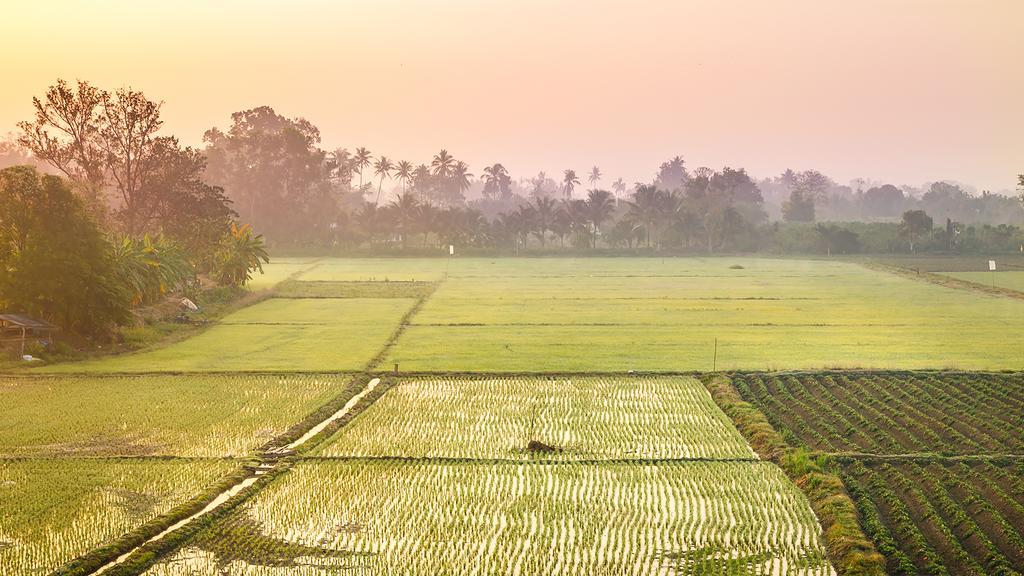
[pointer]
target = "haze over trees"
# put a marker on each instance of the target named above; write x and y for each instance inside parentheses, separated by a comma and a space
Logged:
(272, 173)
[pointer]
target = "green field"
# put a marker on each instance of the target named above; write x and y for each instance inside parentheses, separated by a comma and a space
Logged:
(277, 335)
(56, 509)
(278, 270)
(637, 314)
(413, 518)
(194, 415)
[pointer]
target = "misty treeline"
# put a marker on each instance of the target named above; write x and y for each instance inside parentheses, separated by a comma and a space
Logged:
(271, 172)
(108, 215)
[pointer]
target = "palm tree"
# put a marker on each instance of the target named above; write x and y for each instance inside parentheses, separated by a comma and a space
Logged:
(403, 171)
(646, 208)
(405, 207)
(494, 178)
(600, 205)
(594, 177)
(461, 177)
(442, 164)
(578, 219)
(361, 160)
(570, 181)
(619, 187)
(545, 211)
(382, 167)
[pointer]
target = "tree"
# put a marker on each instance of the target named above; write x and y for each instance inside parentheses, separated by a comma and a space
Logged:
(569, 182)
(914, 224)
(382, 168)
(594, 177)
(150, 268)
(545, 212)
(274, 171)
(882, 201)
(54, 261)
(799, 207)
(66, 135)
(646, 208)
(100, 141)
(497, 183)
(442, 164)
(183, 208)
(619, 187)
(361, 161)
(672, 175)
(404, 171)
(241, 254)
(600, 206)
(460, 180)
(406, 208)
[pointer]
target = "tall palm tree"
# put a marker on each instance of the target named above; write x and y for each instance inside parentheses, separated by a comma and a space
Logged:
(578, 219)
(405, 207)
(600, 205)
(461, 177)
(361, 160)
(594, 177)
(403, 171)
(619, 187)
(545, 211)
(442, 164)
(494, 178)
(570, 181)
(382, 167)
(646, 208)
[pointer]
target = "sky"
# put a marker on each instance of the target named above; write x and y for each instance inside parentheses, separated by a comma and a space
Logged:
(898, 91)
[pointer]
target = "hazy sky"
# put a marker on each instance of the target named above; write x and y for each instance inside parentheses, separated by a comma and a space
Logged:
(904, 91)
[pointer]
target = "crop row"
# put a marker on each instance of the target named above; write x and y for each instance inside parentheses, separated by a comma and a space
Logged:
(400, 517)
(893, 413)
(943, 517)
(565, 419)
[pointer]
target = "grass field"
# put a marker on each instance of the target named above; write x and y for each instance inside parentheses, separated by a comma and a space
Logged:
(194, 415)
(583, 419)
(278, 270)
(56, 509)
(276, 335)
(641, 314)
(392, 517)
(932, 460)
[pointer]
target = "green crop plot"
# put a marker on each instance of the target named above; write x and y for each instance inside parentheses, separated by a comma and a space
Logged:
(575, 419)
(56, 509)
(191, 415)
(413, 518)
(278, 270)
(546, 315)
(277, 335)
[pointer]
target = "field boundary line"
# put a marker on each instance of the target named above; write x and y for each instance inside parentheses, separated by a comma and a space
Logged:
(405, 322)
(533, 461)
(942, 280)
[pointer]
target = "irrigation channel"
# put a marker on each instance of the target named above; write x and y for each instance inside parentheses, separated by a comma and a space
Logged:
(268, 461)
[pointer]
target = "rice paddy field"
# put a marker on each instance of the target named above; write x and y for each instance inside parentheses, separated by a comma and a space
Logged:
(387, 517)
(55, 509)
(547, 416)
(174, 415)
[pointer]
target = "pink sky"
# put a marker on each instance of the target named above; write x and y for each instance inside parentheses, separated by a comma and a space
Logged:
(903, 91)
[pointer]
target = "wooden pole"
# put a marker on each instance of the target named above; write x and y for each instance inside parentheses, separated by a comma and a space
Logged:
(714, 364)
(22, 340)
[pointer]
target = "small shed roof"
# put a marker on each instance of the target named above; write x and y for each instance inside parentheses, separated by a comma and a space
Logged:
(22, 321)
